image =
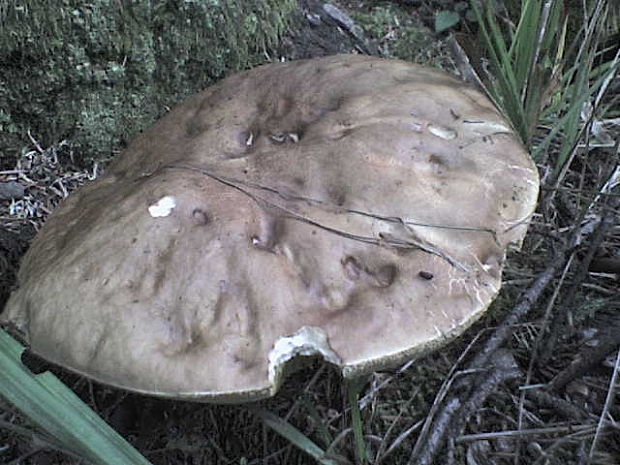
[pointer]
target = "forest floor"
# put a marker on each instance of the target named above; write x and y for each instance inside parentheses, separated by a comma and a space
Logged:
(551, 397)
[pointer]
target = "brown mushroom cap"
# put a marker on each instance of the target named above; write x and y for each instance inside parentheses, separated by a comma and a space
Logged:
(349, 206)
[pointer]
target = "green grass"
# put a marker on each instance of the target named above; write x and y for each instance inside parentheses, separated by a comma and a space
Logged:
(69, 424)
(539, 77)
(295, 437)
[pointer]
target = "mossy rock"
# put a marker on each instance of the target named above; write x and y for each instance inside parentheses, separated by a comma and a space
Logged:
(96, 73)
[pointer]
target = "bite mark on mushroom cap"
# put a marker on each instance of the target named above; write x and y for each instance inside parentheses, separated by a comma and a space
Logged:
(309, 340)
(369, 201)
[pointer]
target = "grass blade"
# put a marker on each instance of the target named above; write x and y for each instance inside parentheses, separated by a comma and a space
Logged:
(354, 387)
(321, 425)
(295, 437)
(53, 407)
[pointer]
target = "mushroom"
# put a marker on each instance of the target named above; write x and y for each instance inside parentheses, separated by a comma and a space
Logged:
(350, 207)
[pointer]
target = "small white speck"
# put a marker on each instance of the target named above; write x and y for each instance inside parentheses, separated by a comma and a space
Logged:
(417, 127)
(163, 207)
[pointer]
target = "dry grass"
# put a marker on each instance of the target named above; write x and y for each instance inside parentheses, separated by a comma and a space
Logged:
(47, 175)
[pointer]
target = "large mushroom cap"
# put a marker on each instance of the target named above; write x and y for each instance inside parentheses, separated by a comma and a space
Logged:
(351, 207)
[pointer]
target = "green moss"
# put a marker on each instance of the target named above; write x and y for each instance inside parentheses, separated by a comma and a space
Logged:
(400, 34)
(98, 72)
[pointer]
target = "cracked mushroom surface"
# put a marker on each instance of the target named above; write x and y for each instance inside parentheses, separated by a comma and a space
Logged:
(349, 207)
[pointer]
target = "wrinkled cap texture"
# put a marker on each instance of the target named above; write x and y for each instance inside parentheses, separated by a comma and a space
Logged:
(350, 207)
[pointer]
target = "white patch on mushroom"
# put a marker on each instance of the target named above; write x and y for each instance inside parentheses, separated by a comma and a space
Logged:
(442, 132)
(460, 284)
(417, 127)
(520, 168)
(279, 138)
(163, 207)
(288, 253)
(531, 182)
(309, 340)
(487, 128)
